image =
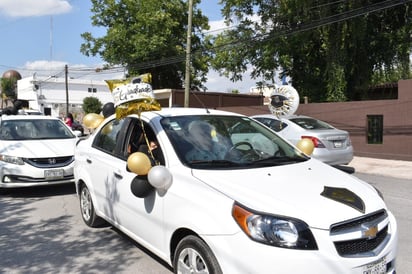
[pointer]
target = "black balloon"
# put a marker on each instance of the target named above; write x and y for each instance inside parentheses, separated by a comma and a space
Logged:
(140, 186)
(108, 109)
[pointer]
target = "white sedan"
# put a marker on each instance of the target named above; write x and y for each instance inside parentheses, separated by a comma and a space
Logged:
(207, 199)
(35, 150)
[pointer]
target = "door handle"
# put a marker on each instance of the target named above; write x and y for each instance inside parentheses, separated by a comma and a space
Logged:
(117, 175)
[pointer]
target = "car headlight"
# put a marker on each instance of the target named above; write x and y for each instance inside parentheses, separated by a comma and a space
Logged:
(11, 159)
(274, 230)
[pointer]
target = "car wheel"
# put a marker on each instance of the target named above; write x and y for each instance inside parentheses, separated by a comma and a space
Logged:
(87, 209)
(192, 255)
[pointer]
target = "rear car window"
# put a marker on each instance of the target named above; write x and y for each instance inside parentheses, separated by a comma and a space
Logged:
(310, 123)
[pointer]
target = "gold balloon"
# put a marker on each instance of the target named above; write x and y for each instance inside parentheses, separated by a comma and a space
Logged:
(306, 146)
(107, 129)
(136, 107)
(92, 120)
(139, 163)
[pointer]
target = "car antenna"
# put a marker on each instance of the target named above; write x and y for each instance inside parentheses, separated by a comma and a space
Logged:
(200, 101)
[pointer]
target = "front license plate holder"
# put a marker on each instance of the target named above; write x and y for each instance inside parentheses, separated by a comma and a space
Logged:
(53, 173)
(377, 267)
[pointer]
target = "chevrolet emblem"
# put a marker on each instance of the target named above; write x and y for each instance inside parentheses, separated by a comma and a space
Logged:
(369, 232)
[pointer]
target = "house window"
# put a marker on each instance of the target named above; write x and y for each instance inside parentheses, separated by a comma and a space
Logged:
(94, 90)
(375, 129)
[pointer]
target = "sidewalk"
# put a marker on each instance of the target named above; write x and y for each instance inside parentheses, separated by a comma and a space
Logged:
(389, 168)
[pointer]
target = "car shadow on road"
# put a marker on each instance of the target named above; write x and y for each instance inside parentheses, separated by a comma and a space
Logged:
(37, 239)
(39, 191)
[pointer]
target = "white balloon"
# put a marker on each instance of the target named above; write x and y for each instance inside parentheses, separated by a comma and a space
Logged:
(160, 177)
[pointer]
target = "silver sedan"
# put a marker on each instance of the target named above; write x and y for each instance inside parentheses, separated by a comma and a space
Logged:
(332, 146)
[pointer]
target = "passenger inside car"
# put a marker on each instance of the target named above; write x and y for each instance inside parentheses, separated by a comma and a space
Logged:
(145, 141)
(205, 144)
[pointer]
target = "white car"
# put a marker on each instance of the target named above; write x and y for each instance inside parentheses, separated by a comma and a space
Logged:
(332, 146)
(210, 200)
(35, 150)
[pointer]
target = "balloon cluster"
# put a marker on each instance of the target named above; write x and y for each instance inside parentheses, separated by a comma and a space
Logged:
(148, 177)
(133, 96)
(93, 120)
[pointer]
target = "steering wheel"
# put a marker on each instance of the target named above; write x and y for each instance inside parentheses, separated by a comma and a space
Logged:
(249, 155)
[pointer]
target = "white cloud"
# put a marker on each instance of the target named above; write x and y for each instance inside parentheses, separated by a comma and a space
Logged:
(28, 8)
(217, 83)
(57, 68)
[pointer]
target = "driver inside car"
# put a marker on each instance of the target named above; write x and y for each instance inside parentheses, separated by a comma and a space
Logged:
(206, 146)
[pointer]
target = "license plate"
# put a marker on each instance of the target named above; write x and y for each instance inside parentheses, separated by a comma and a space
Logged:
(53, 173)
(378, 267)
(337, 144)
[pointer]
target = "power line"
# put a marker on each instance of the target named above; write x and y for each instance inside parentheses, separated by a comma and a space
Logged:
(375, 7)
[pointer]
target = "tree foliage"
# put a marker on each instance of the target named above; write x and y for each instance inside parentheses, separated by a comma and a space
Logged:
(8, 87)
(92, 105)
(149, 37)
(332, 50)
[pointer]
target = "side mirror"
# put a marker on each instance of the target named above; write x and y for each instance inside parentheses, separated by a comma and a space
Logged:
(77, 133)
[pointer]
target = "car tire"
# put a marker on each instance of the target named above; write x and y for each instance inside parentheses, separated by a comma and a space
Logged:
(192, 255)
(87, 209)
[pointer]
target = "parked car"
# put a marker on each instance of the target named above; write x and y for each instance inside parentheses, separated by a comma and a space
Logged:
(77, 126)
(35, 150)
(30, 112)
(217, 200)
(332, 146)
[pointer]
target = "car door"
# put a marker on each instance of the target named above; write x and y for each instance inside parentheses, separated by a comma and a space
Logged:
(105, 166)
(141, 218)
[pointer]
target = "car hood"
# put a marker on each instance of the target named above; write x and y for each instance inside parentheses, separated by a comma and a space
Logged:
(295, 190)
(38, 148)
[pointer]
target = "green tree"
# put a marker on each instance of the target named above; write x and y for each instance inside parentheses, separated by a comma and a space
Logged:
(332, 50)
(149, 36)
(92, 105)
(8, 88)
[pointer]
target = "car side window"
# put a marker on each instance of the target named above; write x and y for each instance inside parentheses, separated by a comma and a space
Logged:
(106, 138)
(273, 124)
(144, 141)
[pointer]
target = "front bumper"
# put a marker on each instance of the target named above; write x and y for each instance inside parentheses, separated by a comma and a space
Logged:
(239, 254)
(17, 176)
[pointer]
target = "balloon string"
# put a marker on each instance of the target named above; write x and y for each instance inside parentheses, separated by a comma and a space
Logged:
(147, 140)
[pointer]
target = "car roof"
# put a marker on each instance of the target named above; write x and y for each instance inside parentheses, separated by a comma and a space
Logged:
(27, 117)
(281, 117)
(182, 111)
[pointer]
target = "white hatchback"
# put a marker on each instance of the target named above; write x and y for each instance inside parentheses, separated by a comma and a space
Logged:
(207, 199)
(35, 150)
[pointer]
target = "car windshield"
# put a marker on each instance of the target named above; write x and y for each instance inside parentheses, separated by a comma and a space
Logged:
(310, 123)
(227, 142)
(34, 129)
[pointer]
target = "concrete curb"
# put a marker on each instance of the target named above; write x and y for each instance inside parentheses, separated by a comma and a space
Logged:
(390, 168)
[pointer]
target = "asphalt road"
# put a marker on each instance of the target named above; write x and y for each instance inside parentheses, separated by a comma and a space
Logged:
(41, 231)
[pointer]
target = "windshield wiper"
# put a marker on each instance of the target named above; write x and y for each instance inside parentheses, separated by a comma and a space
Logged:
(274, 160)
(214, 163)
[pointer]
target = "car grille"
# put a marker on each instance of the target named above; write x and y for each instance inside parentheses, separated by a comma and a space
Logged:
(51, 162)
(361, 237)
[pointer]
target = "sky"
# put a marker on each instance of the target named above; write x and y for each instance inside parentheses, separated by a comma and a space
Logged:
(43, 36)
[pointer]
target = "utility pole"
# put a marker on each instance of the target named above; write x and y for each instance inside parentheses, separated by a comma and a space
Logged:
(188, 52)
(66, 72)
